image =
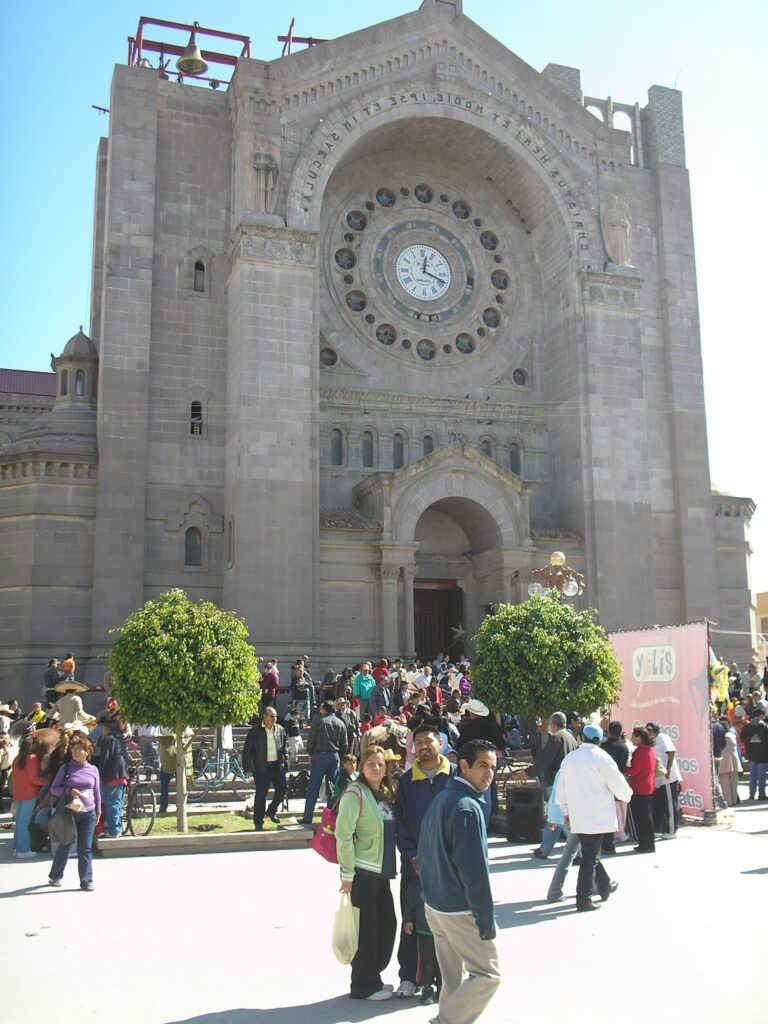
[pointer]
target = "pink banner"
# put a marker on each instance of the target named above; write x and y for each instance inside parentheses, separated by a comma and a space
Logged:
(665, 679)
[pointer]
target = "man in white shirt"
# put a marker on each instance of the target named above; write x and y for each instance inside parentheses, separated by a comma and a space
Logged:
(666, 799)
(590, 783)
(424, 679)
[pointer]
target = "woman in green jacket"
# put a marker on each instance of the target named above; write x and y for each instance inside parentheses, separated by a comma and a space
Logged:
(365, 846)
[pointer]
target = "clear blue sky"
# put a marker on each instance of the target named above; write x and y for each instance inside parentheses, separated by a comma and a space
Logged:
(58, 60)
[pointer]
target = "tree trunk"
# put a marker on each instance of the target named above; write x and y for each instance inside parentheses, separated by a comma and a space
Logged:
(181, 781)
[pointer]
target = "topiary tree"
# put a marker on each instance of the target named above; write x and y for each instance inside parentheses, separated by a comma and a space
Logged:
(179, 663)
(542, 656)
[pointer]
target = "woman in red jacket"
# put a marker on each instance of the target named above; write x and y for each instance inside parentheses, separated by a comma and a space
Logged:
(640, 773)
(27, 782)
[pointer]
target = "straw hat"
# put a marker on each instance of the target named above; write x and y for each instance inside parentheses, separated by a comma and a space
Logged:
(70, 686)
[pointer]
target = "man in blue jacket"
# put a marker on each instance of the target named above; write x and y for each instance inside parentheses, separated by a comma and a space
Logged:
(453, 868)
(416, 790)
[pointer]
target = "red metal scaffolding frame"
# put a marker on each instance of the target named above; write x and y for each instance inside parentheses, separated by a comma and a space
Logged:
(138, 45)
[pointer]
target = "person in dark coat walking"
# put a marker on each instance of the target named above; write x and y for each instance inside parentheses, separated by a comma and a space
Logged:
(264, 754)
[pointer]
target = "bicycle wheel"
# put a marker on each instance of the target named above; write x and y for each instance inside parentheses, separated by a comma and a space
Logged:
(199, 788)
(142, 809)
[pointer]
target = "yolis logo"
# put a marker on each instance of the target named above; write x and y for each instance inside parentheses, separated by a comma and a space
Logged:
(656, 664)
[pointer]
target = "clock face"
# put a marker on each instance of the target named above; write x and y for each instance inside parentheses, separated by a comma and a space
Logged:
(423, 272)
(420, 273)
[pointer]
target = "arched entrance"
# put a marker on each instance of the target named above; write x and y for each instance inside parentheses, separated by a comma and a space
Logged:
(455, 529)
(457, 561)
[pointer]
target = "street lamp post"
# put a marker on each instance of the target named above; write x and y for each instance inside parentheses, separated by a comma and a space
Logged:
(556, 576)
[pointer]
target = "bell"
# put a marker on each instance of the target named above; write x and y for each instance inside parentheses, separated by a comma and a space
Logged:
(191, 61)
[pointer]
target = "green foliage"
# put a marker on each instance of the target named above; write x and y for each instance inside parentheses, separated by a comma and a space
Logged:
(176, 662)
(542, 656)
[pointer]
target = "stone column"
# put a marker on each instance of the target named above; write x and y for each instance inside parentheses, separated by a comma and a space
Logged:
(124, 362)
(389, 575)
(409, 574)
(272, 442)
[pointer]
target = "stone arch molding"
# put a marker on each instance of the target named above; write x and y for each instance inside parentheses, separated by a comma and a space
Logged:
(337, 135)
(195, 511)
(399, 499)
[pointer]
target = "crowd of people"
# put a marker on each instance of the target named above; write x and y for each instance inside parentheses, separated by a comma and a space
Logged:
(408, 758)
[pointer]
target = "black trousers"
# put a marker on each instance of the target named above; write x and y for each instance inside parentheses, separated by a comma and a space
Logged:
(273, 775)
(592, 874)
(378, 926)
(666, 807)
(407, 951)
(642, 815)
(429, 970)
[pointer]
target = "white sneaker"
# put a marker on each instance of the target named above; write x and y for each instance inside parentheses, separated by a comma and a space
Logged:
(406, 990)
(383, 993)
(26, 856)
(669, 835)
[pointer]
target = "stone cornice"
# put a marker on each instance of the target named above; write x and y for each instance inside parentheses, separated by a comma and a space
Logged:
(352, 398)
(264, 242)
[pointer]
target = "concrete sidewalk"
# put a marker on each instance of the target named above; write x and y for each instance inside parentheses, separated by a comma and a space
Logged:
(236, 938)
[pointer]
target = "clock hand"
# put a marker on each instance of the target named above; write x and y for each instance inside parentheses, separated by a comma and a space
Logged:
(440, 279)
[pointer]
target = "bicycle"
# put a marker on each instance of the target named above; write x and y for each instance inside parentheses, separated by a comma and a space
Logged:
(140, 804)
(214, 774)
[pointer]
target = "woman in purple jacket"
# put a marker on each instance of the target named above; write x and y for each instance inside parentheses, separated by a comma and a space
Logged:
(78, 779)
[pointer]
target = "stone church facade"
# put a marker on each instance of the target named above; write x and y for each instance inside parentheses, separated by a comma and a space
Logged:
(373, 331)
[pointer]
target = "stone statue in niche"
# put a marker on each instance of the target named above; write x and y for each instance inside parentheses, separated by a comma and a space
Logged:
(616, 224)
(265, 175)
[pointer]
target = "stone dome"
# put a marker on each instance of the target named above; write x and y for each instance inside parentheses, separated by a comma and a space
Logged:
(80, 346)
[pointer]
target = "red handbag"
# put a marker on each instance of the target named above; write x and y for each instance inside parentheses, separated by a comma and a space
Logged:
(324, 839)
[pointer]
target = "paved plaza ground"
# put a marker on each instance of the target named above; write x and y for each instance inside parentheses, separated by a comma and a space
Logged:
(236, 938)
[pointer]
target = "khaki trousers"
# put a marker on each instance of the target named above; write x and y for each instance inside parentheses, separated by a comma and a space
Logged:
(459, 948)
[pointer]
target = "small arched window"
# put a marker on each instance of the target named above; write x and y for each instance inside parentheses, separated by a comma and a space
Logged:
(80, 383)
(193, 547)
(367, 450)
(428, 445)
(64, 382)
(199, 282)
(485, 448)
(196, 419)
(515, 459)
(398, 451)
(230, 542)
(337, 448)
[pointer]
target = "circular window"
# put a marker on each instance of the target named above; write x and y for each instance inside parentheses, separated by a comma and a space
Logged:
(348, 279)
(425, 349)
(465, 343)
(370, 206)
(404, 192)
(489, 241)
(491, 316)
(461, 209)
(385, 197)
(520, 377)
(444, 198)
(356, 301)
(345, 259)
(370, 318)
(497, 259)
(481, 332)
(477, 222)
(349, 237)
(328, 357)
(424, 193)
(447, 349)
(386, 334)
(406, 343)
(357, 220)
(500, 279)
